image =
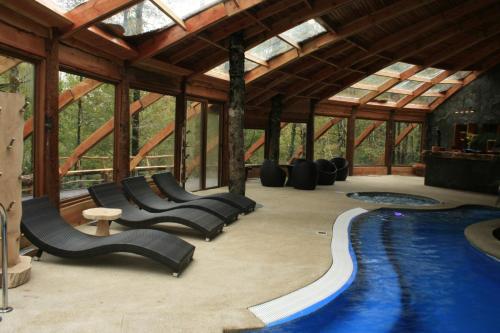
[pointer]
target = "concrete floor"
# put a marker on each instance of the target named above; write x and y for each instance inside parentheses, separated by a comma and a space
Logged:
(263, 255)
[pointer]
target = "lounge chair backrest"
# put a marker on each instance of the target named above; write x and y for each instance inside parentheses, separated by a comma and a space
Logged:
(139, 187)
(109, 195)
(168, 186)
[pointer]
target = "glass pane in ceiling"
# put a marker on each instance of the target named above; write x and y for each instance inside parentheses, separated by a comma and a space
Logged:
(304, 31)
(187, 8)
(408, 85)
(353, 93)
(429, 73)
(389, 97)
(439, 88)
(249, 65)
(67, 5)
(460, 75)
(398, 67)
(222, 71)
(375, 80)
(424, 100)
(270, 48)
(140, 18)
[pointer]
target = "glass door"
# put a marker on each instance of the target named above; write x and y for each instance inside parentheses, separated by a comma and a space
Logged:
(193, 145)
(212, 147)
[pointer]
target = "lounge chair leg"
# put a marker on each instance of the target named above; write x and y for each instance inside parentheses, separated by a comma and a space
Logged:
(175, 274)
(38, 255)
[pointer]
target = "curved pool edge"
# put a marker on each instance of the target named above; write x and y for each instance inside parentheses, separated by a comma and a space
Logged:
(309, 298)
(480, 236)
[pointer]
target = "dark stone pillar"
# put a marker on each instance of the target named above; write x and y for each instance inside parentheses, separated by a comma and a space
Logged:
(236, 113)
(310, 131)
(274, 128)
(351, 137)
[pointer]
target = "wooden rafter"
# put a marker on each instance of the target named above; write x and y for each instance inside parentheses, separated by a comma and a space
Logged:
(92, 11)
(7, 63)
(404, 133)
(65, 98)
(104, 131)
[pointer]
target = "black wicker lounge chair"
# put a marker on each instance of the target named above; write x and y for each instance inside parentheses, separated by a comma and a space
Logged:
(168, 186)
(46, 229)
(305, 175)
(342, 167)
(111, 196)
(327, 172)
(271, 175)
(138, 190)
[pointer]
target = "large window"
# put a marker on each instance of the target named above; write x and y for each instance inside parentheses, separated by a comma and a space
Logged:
(292, 142)
(152, 131)
(17, 76)
(86, 115)
(369, 142)
(333, 142)
(254, 145)
(407, 143)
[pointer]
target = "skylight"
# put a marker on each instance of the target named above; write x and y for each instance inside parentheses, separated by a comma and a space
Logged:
(304, 31)
(439, 88)
(222, 71)
(408, 85)
(67, 5)
(270, 48)
(429, 73)
(185, 9)
(374, 80)
(353, 93)
(460, 75)
(398, 67)
(424, 100)
(140, 18)
(389, 97)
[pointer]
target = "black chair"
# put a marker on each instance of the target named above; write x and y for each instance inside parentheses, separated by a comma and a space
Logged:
(45, 228)
(138, 190)
(170, 188)
(327, 172)
(305, 175)
(342, 168)
(111, 196)
(271, 175)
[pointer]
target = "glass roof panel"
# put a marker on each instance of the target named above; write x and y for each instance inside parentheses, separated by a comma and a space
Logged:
(68, 5)
(185, 9)
(249, 65)
(424, 100)
(353, 93)
(439, 88)
(429, 73)
(460, 75)
(398, 67)
(375, 80)
(222, 71)
(388, 97)
(408, 85)
(304, 31)
(270, 48)
(141, 18)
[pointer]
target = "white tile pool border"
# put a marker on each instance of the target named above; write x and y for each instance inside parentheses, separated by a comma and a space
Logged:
(313, 296)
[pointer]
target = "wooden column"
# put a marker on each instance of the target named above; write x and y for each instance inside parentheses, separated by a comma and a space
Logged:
(236, 113)
(180, 130)
(51, 136)
(121, 158)
(266, 143)
(274, 128)
(351, 136)
(389, 142)
(38, 134)
(310, 131)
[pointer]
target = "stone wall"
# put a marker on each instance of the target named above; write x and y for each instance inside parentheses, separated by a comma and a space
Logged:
(482, 95)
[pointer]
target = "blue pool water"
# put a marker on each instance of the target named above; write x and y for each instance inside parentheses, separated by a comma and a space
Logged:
(393, 198)
(416, 273)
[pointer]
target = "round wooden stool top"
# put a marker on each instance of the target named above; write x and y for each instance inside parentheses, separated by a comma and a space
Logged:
(102, 214)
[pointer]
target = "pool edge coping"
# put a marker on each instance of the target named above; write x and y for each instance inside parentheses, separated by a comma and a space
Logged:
(315, 295)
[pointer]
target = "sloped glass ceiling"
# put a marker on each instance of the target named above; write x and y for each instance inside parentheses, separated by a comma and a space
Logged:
(146, 16)
(304, 31)
(408, 85)
(222, 71)
(67, 5)
(389, 97)
(460, 75)
(398, 67)
(375, 80)
(353, 93)
(424, 100)
(270, 48)
(429, 73)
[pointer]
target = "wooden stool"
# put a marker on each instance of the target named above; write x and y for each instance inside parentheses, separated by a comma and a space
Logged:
(103, 216)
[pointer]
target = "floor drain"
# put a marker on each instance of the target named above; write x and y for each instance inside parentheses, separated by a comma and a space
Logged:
(323, 233)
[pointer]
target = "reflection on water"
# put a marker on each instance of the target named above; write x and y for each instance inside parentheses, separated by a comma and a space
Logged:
(393, 198)
(416, 273)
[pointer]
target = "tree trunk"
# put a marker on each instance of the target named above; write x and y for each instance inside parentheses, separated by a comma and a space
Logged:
(236, 114)
(275, 128)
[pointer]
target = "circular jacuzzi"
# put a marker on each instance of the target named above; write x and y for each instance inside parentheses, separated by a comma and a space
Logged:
(392, 198)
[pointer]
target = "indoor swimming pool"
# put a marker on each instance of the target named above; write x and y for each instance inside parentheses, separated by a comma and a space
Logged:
(393, 198)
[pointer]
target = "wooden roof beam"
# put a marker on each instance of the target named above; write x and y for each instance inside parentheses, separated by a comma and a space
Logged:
(93, 11)
(162, 6)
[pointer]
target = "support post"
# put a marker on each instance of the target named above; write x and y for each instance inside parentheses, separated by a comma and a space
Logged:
(51, 137)
(310, 131)
(351, 135)
(38, 134)
(274, 128)
(121, 159)
(180, 133)
(389, 142)
(423, 136)
(236, 113)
